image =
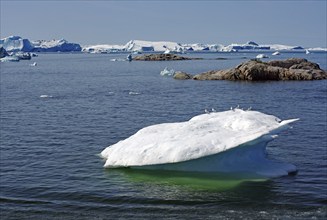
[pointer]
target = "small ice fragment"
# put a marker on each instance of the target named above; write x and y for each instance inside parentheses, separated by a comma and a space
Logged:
(261, 56)
(46, 96)
(167, 72)
(134, 93)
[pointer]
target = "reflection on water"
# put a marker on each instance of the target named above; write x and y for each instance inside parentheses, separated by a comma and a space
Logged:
(190, 180)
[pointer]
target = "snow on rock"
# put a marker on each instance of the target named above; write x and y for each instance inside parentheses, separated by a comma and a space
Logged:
(184, 145)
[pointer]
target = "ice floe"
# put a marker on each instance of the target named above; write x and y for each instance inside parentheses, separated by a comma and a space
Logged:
(261, 56)
(134, 93)
(230, 141)
(46, 96)
(167, 72)
(275, 53)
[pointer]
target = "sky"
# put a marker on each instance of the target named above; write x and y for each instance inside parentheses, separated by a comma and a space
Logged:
(296, 22)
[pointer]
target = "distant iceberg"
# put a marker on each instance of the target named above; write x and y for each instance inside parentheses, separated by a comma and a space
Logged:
(55, 46)
(275, 53)
(261, 56)
(9, 59)
(233, 141)
(16, 43)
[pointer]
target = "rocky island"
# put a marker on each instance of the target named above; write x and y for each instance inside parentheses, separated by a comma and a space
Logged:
(257, 70)
(162, 57)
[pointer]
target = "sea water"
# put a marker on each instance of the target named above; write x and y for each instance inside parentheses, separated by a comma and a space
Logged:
(58, 116)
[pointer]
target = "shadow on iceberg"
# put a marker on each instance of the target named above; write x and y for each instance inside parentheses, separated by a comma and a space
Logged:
(245, 161)
(219, 143)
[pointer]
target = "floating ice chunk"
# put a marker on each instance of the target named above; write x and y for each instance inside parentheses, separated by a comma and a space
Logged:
(9, 59)
(260, 56)
(134, 93)
(167, 51)
(167, 72)
(230, 141)
(46, 96)
(275, 53)
(115, 59)
(33, 64)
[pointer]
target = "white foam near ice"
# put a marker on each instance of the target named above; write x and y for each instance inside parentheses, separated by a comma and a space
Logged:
(231, 141)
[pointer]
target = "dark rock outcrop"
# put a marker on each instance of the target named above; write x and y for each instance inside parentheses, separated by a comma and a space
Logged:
(256, 70)
(182, 75)
(162, 57)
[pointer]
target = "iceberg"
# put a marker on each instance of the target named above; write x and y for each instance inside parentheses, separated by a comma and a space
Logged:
(103, 48)
(150, 46)
(167, 72)
(261, 56)
(9, 59)
(55, 46)
(16, 43)
(275, 53)
(251, 45)
(23, 55)
(232, 141)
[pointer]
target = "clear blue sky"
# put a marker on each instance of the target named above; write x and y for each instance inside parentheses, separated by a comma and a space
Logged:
(116, 22)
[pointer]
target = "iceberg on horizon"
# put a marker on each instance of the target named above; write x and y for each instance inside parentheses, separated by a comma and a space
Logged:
(16, 43)
(233, 141)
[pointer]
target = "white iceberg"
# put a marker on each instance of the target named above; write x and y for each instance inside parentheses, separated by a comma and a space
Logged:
(9, 59)
(167, 72)
(233, 141)
(261, 56)
(16, 43)
(275, 53)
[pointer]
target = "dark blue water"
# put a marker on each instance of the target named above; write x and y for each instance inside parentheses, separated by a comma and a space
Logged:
(49, 163)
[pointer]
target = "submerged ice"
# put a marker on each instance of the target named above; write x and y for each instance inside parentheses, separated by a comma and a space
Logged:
(231, 141)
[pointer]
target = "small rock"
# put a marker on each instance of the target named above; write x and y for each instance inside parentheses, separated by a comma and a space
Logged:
(182, 75)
